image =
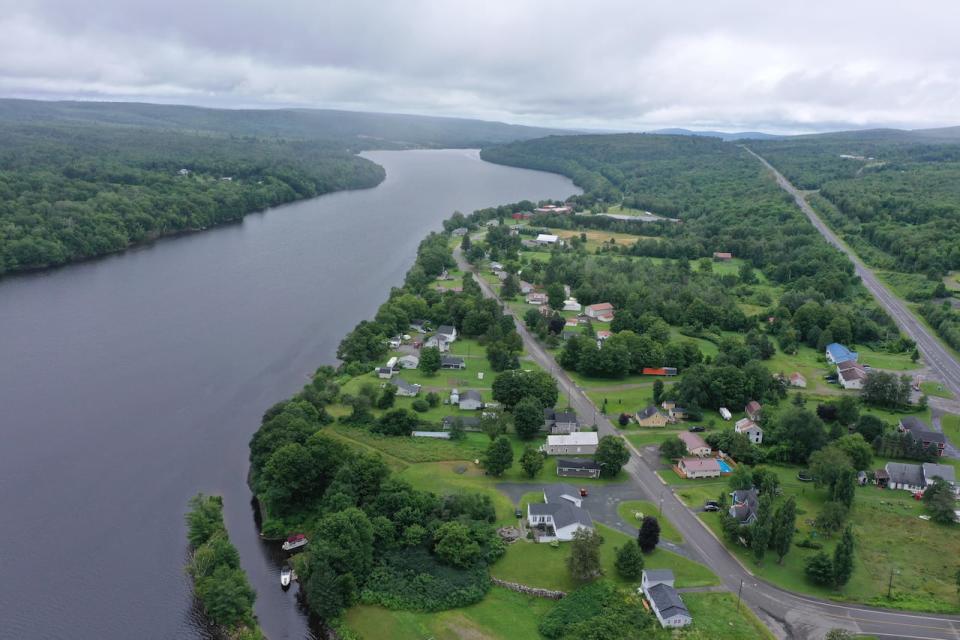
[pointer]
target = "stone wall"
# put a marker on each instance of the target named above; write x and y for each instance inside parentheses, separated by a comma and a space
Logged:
(530, 591)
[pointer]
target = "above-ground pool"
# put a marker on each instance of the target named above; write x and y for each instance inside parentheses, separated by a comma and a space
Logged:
(724, 467)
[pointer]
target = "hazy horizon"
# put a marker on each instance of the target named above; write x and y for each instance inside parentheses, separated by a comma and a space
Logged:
(611, 66)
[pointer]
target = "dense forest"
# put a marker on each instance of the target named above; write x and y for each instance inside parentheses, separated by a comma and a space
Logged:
(896, 199)
(79, 180)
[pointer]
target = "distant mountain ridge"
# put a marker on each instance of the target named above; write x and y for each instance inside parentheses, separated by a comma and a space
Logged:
(723, 135)
(355, 129)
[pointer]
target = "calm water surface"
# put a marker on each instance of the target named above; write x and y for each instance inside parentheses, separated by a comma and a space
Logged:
(130, 383)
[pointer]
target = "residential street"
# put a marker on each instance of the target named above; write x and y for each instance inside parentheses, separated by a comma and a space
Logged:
(937, 357)
(788, 615)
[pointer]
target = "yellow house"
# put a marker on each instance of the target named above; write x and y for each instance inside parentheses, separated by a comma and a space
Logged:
(651, 417)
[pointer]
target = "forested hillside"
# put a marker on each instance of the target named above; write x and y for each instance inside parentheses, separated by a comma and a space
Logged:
(79, 180)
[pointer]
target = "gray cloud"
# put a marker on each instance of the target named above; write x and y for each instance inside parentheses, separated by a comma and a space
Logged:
(613, 64)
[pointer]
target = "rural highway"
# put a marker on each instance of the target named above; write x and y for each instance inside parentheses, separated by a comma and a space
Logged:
(937, 357)
(787, 614)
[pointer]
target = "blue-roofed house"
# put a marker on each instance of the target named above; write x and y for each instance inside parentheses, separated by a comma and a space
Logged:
(837, 353)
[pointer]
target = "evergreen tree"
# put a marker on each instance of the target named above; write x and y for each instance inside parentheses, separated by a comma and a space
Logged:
(819, 569)
(762, 528)
(649, 535)
(784, 528)
(844, 487)
(843, 558)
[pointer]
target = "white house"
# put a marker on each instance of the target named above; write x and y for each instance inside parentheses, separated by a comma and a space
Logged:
(851, 375)
(409, 362)
(469, 400)
(439, 342)
(546, 238)
(580, 442)
(384, 373)
(602, 311)
(751, 428)
(657, 586)
(560, 515)
(695, 468)
(447, 332)
(571, 304)
(696, 446)
(404, 388)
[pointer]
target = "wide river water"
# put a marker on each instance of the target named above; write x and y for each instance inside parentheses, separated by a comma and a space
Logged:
(129, 383)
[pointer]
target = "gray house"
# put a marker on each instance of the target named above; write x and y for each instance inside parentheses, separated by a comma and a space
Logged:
(404, 388)
(560, 516)
(657, 586)
(578, 468)
(560, 422)
(471, 400)
(744, 507)
(452, 362)
(905, 476)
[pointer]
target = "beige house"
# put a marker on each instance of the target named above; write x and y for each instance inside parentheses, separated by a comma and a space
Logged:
(695, 468)
(696, 446)
(651, 417)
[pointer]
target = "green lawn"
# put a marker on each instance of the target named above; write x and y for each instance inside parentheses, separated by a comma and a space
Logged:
(629, 509)
(502, 614)
(937, 389)
(715, 616)
(541, 565)
(890, 537)
(951, 427)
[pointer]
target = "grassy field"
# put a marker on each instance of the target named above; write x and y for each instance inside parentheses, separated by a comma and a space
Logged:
(932, 388)
(951, 427)
(715, 616)
(540, 565)
(890, 537)
(501, 614)
(597, 238)
(628, 510)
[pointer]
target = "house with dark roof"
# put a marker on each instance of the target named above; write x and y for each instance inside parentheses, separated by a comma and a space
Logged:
(560, 422)
(944, 471)
(744, 505)
(923, 434)
(560, 515)
(578, 468)
(384, 373)
(851, 374)
(404, 388)
(470, 400)
(452, 362)
(906, 476)
(837, 353)
(657, 586)
(651, 417)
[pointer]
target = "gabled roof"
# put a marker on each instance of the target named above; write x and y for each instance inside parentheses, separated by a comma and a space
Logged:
(839, 353)
(578, 463)
(450, 360)
(400, 383)
(700, 464)
(659, 575)
(564, 513)
(852, 373)
(692, 440)
(601, 306)
(552, 415)
(471, 394)
(912, 422)
(905, 473)
(574, 439)
(667, 601)
(745, 503)
(466, 421)
(931, 471)
(446, 330)
(753, 407)
(649, 411)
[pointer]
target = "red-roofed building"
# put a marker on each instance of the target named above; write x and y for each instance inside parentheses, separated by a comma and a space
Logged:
(722, 256)
(602, 311)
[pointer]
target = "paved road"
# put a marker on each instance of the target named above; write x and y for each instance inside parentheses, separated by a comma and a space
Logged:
(787, 614)
(937, 357)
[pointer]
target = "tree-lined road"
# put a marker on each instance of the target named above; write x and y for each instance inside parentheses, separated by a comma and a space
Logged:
(934, 353)
(787, 614)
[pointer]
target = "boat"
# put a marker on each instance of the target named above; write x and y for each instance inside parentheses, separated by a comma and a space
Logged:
(286, 575)
(295, 541)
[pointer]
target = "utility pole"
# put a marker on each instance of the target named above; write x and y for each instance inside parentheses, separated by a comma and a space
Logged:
(660, 512)
(890, 585)
(739, 592)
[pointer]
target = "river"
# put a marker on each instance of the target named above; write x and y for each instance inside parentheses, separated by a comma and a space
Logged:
(129, 383)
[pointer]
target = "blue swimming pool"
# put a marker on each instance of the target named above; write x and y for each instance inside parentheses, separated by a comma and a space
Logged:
(724, 467)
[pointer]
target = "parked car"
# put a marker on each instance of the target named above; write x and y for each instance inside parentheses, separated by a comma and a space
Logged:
(711, 505)
(697, 428)
(583, 492)
(518, 513)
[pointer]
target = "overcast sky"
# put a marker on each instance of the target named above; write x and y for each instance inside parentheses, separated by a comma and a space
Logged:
(620, 65)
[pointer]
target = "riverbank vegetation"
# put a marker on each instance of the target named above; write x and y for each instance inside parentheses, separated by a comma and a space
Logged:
(83, 179)
(219, 583)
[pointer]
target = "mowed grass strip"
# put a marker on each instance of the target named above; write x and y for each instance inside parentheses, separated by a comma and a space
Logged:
(544, 566)
(628, 509)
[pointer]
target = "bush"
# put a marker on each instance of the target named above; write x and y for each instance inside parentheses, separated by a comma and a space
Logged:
(598, 610)
(420, 405)
(807, 543)
(413, 579)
